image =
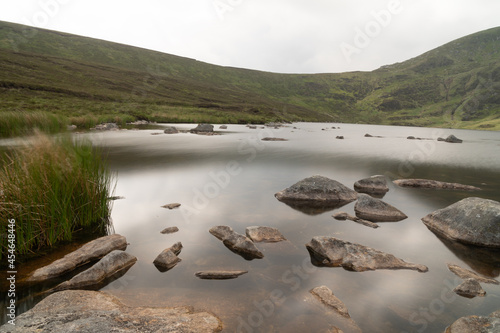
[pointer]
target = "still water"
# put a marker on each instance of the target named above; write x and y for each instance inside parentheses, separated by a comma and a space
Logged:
(230, 179)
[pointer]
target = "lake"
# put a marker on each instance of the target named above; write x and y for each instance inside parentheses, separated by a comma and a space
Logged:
(231, 178)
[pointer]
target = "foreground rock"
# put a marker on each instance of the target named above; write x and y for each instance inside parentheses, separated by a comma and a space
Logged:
(342, 216)
(473, 221)
(237, 243)
(470, 324)
(219, 275)
(427, 183)
(376, 210)
(316, 192)
(374, 184)
(466, 274)
(264, 234)
(93, 311)
(470, 288)
(203, 128)
(110, 265)
(91, 251)
(167, 259)
(334, 252)
(326, 296)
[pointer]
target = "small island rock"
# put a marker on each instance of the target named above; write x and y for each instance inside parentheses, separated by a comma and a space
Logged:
(237, 243)
(264, 234)
(470, 288)
(376, 210)
(203, 128)
(219, 275)
(167, 259)
(374, 184)
(434, 184)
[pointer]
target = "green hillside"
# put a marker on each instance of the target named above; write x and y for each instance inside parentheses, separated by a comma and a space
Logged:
(87, 81)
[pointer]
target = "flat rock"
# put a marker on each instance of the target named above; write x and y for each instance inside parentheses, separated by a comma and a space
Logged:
(326, 296)
(274, 139)
(171, 205)
(434, 184)
(342, 216)
(90, 251)
(203, 128)
(167, 259)
(169, 230)
(92, 311)
(472, 220)
(237, 243)
(480, 324)
(219, 275)
(373, 184)
(264, 234)
(470, 288)
(376, 210)
(466, 274)
(111, 264)
(334, 252)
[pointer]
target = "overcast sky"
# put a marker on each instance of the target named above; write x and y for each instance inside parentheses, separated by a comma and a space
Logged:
(287, 36)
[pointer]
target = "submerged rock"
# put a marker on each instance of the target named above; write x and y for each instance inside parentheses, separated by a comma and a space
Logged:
(342, 216)
(113, 263)
(480, 324)
(326, 296)
(427, 183)
(374, 184)
(91, 251)
(167, 259)
(219, 275)
(472, 220)
(470, 288)
(264, 234)
(93, 311)
(203, 128)
(466, 274)
(237, 243)
(334, 252)
(376, 210)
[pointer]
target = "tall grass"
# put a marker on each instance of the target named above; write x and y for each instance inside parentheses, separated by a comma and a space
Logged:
(17, 123)
(53, 188)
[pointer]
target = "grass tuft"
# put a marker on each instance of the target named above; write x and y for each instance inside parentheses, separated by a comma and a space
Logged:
(20, 123)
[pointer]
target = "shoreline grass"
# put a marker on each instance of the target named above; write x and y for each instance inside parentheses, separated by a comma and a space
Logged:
(21, 123)
(53, 188)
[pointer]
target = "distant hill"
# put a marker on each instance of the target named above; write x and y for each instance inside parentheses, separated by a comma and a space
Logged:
(456, 85)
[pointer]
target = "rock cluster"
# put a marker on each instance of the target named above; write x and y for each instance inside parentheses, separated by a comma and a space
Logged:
(236, 242)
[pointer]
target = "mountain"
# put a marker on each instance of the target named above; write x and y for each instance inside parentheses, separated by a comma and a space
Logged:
(455, 85)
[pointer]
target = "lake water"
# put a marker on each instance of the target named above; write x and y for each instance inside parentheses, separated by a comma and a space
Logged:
(230, 179)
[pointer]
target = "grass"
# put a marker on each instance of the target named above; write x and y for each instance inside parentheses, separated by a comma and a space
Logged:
(53, 188)
(25, 123)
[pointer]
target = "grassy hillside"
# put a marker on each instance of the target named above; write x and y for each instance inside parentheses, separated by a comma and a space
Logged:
(88, 81)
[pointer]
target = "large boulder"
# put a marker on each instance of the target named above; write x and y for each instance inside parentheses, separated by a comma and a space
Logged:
(374, 184)
(92, 311)
(472, 220)
(316, 194)
(89, 252)
(376, 210)
(480, 324)
(434, 184)
(334, 252)
(114, 263)
(237, 243)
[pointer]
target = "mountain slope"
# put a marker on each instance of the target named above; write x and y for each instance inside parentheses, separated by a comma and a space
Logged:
(452, 86)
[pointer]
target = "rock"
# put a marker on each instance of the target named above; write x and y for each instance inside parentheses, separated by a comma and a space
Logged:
(273, 139)
(326, 296)
(169, 230)
(440, 139)
(167, 259)
(478, 324)
(316, 193)
(203, 128)
(453, 139)
(342, 216)
(376, 210)
(71, 127)
(111, 264)
(334, 252)
(170, 130)
(91, 251)
(106, 127)
(472, 220)
(339, 137)
(222, 127)
(219, 275)
(427, 183)
(411, 137)
(466, 274)
(92, 311)
(171, 205)
(237, 243)
(252, 126)
(470, 288)
(264, 234)
(374, 184)
(372, 136)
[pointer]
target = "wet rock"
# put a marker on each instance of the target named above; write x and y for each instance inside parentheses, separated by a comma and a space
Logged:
(334, 252)
(472, 220)
(264, 234)
(93, 311)
(376, 210)
(317, 193)
(342, 216)
(374, 184)
(171, 205)
(470, 288)
(106, 127)
(326, 296)
(203, 128)
(111, 264)
(169, 230)
(435, 184)
(237, 243)
(171, 130)
(91, 251)
(219, 275)
(167, 259)
(273, 139)
(480, 324)
(466, 274)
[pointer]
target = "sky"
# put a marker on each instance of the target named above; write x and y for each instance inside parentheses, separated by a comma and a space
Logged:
(292, 36)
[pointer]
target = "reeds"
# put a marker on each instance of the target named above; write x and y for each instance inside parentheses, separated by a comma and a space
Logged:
(53, 188)
(14, 123)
